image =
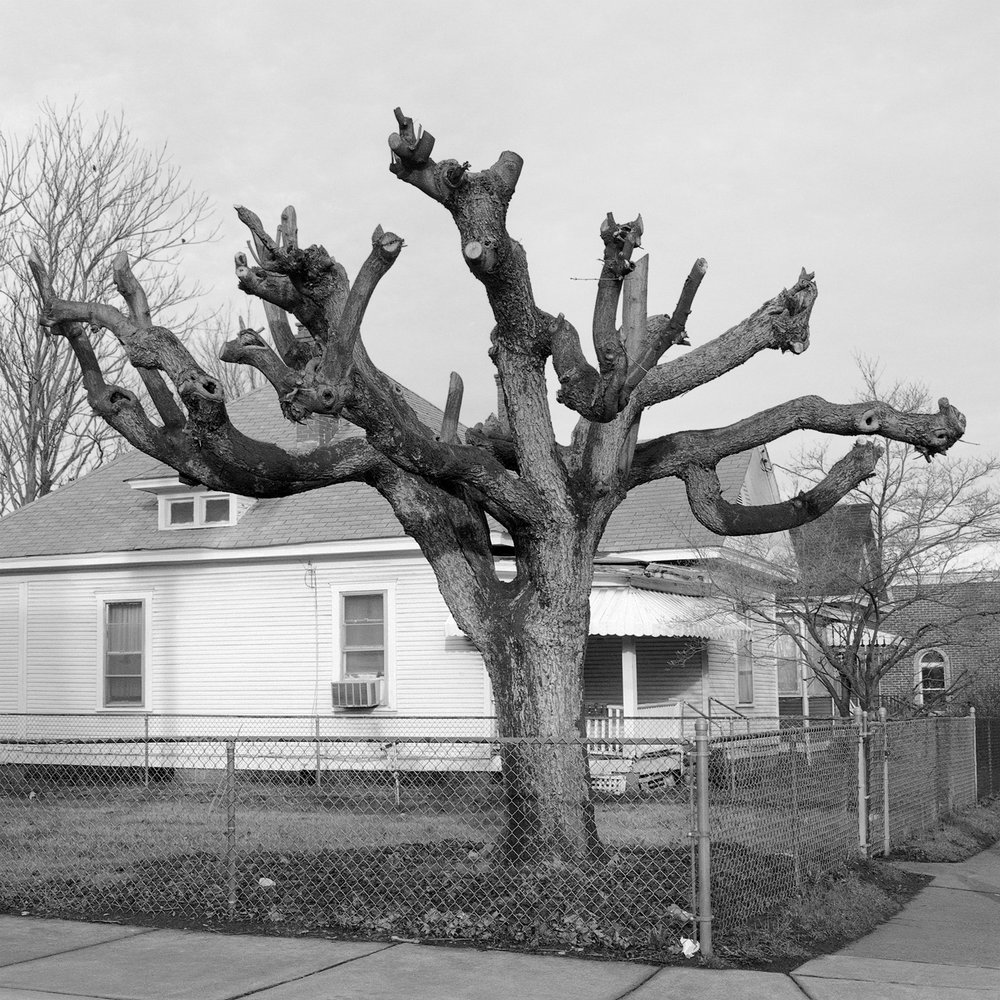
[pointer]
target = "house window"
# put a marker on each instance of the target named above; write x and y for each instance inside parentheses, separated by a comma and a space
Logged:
(744, 671)
(124, 656)
(364, 641)
(181, 513)
(202, 510)
(787, 662)
(363, 635)
(931, 676)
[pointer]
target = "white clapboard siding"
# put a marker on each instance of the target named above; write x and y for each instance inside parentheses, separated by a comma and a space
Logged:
(722, 678)
(246, 637)
(9, 646)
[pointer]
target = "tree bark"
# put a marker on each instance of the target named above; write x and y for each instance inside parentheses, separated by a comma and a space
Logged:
(535, 663)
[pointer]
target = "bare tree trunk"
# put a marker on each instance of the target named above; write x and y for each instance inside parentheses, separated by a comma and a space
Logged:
(536, 666)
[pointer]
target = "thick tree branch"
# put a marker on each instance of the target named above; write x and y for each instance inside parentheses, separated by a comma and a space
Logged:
(338, 356)
(478, 204)
(930, 433)
(724, 518)
(666, 331)
(134, 295)
(780, 324)
(619, 243)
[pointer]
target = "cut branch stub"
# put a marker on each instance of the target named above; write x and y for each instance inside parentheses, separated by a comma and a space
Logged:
(452, 409)
(943, 432)
(411, 145)
(619, 243)
(790, 314)
(288, 229)
(480, 257)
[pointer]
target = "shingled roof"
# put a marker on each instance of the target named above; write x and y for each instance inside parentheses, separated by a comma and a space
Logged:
(101, 513)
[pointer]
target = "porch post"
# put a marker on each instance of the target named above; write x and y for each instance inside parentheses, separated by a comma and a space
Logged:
(630, 678)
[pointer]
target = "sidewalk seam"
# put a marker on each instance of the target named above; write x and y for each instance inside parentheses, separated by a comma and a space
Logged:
(638, 985)
(82, 947)
(315, 972)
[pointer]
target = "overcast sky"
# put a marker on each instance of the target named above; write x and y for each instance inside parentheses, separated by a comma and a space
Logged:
(856, 138)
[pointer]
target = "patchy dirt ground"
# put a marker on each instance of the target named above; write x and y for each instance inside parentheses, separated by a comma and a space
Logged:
(958, 837)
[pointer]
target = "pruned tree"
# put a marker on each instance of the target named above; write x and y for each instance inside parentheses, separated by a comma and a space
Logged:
(208, 342)
(896, 568)
(554, 499)
(79, 193)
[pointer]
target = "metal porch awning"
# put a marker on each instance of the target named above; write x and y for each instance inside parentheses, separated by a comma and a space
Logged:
(631, 611)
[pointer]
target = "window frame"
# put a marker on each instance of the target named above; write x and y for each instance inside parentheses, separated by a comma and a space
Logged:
(102, 600)
(744, 655)
(387, 590)
(919, 689)
(200, 501)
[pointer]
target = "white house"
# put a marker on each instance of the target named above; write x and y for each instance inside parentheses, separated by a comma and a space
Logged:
(128, 593)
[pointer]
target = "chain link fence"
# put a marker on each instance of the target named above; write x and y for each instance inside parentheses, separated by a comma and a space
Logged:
(783, 807)
(988, 757)
(376, 828)
(436, 828)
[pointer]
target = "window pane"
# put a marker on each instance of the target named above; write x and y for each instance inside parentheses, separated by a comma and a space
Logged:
(932, 678)
(362, 608)
(124, 665)
(181, 512)
(124, 627)
(216, 510)
(788, 677)
(123, 691)
(367, 662)
(930, 657)
(744, 672)
(363, 636)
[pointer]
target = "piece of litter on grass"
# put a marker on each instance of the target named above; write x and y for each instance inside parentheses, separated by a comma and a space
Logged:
(673, 910)
(266, 883)
(689, 947)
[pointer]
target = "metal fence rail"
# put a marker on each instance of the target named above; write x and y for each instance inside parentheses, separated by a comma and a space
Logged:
(402, 827)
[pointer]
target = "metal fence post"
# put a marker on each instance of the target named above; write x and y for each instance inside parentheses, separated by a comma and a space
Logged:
(731, 758)
(862, 724)
(319, 767)
(975, 762)
(231, 826)
(145, 744)
(883, 717)
(703, 836)
(796, 853)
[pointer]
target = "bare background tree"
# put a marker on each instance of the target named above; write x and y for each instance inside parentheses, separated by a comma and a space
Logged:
(899, 566)
(79, 192)
(554, 499)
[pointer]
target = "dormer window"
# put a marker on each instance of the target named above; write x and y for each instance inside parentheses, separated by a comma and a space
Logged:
(200, 510)
(183, 506)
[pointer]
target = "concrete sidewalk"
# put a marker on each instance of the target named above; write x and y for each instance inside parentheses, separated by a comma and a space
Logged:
(944, 944)
(60, 959)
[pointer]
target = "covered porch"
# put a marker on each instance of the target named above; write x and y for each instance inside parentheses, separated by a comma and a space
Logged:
(648, 649)
(646, 681)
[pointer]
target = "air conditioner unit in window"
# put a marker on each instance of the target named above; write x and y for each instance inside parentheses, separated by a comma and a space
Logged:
(357, 693)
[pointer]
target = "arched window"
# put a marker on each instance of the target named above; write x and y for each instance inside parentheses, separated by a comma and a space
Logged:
(931, 676)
